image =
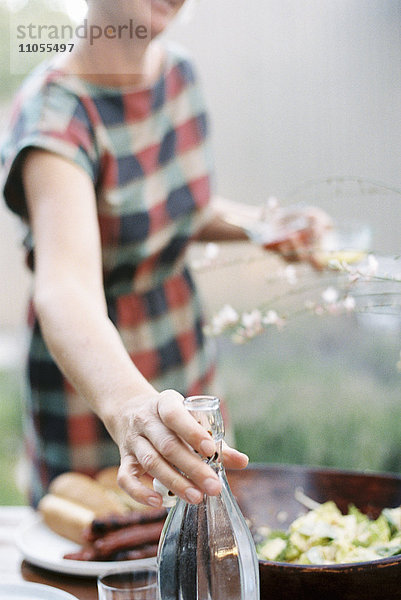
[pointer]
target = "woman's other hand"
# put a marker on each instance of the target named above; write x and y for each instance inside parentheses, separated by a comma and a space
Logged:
(293, 232)
(298, 233)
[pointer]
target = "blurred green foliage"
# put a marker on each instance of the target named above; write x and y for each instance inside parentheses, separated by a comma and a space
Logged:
(11, 435)
(49, 11)
(9, 82)
(324, 392)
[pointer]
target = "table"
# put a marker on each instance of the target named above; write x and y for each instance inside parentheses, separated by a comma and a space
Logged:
(265, 493)
(14, 569)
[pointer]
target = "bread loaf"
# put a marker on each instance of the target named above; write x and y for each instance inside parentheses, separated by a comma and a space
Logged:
(88, 492)
(65, 517)
(75, 502)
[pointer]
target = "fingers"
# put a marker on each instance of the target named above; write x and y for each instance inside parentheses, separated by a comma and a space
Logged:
(301, 245)
(233, 459)
(168, 467)
(319, 223)
(130, 471)
(174, 416)
(296, 247)
(161, 440)
(128, 479)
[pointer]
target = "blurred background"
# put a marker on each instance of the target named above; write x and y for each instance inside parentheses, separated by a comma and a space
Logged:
(305, 103)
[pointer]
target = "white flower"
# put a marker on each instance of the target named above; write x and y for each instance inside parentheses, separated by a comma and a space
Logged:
(271, 318)
(349, 303)
(251, 324)
(212, 251)
(226, 317)
(290, 274)
(330, 295)
(209, 256)
(252, 320)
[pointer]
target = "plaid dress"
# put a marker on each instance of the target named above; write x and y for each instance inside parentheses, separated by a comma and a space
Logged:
(146, 150)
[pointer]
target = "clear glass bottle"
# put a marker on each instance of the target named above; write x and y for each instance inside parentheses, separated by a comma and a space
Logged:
(206, 551)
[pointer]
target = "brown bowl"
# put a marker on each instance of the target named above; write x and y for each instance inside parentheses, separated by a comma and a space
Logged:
(266, 492)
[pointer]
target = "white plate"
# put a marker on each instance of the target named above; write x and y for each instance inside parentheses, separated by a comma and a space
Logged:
(31, 591)
(44, 548)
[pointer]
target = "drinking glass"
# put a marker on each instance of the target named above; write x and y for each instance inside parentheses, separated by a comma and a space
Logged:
(140, 583)
(348, 242)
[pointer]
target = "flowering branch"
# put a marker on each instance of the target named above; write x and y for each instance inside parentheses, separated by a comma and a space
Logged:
(336, 291)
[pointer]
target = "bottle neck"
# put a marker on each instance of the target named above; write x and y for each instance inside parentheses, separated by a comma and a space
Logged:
(216, 461)
(206, 411)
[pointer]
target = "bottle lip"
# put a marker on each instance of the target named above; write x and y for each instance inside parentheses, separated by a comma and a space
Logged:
(202, 402)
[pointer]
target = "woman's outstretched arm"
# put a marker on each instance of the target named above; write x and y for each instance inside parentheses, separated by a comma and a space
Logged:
(152, 429)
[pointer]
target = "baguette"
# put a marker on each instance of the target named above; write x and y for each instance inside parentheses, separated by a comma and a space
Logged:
(88, 492)
(65, 517)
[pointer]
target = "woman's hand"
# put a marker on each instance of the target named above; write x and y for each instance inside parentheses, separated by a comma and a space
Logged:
(158, 436)
(293, 232)
(299, 232)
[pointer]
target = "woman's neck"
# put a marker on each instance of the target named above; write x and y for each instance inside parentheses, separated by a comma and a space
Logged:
(121, 54)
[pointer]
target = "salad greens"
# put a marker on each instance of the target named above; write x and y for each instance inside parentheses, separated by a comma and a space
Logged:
(325, 536)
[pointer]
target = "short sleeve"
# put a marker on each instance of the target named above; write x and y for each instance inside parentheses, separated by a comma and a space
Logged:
(51, 118)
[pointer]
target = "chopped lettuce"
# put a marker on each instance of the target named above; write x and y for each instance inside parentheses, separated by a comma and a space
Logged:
(325, 536)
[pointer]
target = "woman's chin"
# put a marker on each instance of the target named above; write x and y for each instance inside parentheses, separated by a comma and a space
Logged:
(168, 7)
(162, 13)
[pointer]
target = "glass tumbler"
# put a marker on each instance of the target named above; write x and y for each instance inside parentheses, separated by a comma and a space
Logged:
(140, 583)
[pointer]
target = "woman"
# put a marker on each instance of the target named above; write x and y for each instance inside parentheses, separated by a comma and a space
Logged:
(107, 161)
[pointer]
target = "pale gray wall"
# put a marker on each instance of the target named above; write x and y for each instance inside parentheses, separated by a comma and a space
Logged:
(299, 89)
